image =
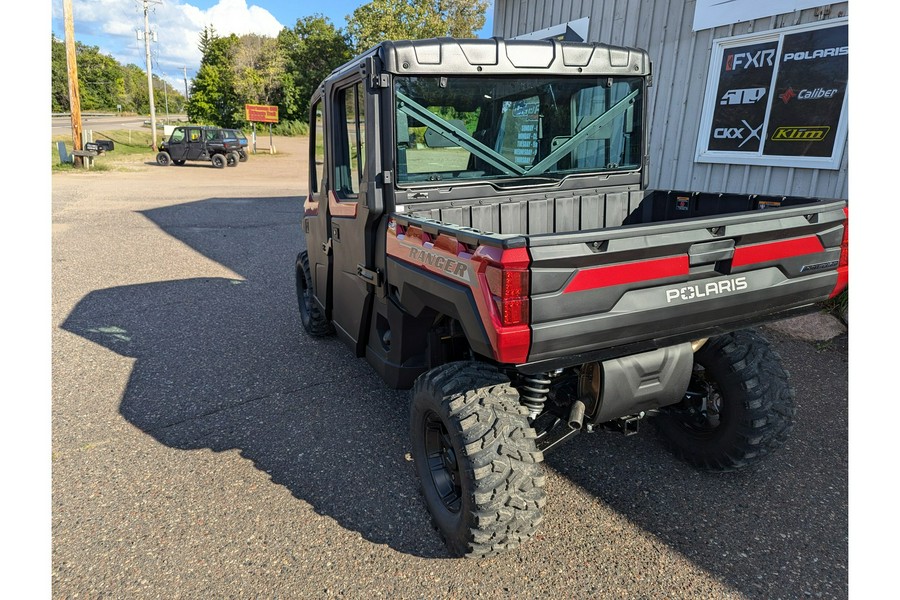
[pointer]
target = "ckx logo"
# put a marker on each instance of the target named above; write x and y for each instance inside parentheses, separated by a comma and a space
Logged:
(743, 96)
(747, 60)
(737, 133)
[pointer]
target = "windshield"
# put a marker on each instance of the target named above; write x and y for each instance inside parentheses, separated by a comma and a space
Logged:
(472, 128)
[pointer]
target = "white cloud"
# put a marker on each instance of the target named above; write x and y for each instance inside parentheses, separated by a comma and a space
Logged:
(111, 25)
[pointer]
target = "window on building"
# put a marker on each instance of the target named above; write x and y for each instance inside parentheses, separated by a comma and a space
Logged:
(777, 98)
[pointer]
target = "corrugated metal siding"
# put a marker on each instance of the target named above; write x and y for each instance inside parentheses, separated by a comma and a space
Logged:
(680, 68)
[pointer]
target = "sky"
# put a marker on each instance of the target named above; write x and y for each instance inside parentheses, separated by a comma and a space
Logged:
(111, 25)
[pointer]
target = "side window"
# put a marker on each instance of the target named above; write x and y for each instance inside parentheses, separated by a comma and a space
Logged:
(349, 138)
(177, 135)
(316, 149)
(195, 135)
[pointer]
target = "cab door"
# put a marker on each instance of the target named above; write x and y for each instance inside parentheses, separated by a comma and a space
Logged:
(315, 208)
(195, 149)
(177, 143)
(352, 212)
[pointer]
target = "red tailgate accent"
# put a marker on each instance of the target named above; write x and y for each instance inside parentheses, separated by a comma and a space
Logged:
(769, 251)
(632, 272)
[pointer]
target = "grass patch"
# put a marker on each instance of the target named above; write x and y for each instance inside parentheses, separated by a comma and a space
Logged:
(128, 143)
(839, 305)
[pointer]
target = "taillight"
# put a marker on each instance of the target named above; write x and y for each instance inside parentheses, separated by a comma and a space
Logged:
(506, 282)
(844, 261)
(509, 291)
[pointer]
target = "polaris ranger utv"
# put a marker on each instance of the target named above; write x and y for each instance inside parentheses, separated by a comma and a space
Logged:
(478, 228)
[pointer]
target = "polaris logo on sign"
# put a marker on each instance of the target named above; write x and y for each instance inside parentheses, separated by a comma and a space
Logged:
(821, 53)
(713, 288)
(744, 96)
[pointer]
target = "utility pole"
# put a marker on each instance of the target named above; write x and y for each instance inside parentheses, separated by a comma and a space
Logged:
(184, 69)
(72, 70)
(149, 71)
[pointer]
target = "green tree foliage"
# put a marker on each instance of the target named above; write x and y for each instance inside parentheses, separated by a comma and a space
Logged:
(258, 69)
(104, 84)
(213, 96)
(381, 20)
(312, 49)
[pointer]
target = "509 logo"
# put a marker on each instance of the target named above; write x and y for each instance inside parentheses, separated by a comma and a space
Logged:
(743, 96)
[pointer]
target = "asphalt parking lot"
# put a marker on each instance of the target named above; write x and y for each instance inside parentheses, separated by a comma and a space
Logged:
(203, 447)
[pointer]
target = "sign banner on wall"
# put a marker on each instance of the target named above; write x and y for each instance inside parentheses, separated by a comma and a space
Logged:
(777, 98)
(713, 13)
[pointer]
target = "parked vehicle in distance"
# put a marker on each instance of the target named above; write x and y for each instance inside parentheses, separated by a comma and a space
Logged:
(478, 227)
(237, 133)
(194, 142)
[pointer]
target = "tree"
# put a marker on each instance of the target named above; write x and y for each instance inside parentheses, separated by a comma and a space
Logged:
(381, 20)
(104, 83)
(213, 97)
(312, 49)
(258, 69)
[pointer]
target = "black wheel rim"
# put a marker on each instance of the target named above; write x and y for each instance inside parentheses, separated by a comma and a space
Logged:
(442, 463)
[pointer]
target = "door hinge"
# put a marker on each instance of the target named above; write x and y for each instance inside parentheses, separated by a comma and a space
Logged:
(326, 247)
(372, 276)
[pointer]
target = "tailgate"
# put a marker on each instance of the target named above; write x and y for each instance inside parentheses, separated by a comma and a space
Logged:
(640, 286)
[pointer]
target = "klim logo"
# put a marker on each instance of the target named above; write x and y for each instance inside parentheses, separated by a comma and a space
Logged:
(801, 134)
(749, 60)
(743, 96)
(820, 53)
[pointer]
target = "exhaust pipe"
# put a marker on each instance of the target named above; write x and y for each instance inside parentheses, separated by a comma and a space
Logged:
(576, 415)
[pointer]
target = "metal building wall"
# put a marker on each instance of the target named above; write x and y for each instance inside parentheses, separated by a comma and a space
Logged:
(680, 67)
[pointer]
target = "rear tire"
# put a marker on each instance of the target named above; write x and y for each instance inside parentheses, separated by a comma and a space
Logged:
(749, 411)
(314, 321)
(163, 159)
(243, 155)
(233, 159)
(476, 458)
(218, 161)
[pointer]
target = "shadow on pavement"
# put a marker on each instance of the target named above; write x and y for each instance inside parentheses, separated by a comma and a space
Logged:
(223, 364)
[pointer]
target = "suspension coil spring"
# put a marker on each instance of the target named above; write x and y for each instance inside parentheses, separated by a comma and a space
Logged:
(533, 391)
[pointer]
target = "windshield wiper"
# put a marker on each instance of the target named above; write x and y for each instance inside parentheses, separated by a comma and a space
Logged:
(458, 136)
(615, 110)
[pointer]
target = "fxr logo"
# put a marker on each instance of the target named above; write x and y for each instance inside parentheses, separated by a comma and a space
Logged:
(746, 60)
(737, 133)
(743, 96)
(801, 134)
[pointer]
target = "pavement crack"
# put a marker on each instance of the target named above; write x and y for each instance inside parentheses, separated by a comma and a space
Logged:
(223, 409)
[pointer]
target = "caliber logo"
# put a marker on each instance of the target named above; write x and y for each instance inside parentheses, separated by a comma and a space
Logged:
(748, 60)
(806, 94)
(737, 133)
(450, 266)
(699, 290)
(801, 134)
(743, 96)
(820, 53)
